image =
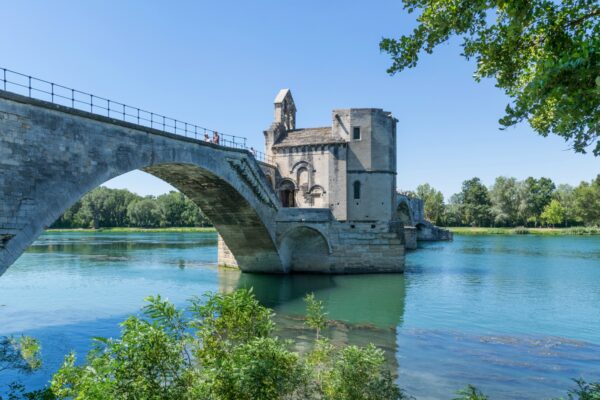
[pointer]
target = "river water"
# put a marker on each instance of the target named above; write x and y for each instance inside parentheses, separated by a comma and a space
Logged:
(517, 316)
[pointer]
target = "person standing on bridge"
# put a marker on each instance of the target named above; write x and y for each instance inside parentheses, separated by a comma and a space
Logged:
(253, 151)
(216, 137)
(206, 138)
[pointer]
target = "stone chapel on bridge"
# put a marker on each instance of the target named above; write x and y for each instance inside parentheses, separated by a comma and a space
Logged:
(337, 186)
(348, 167)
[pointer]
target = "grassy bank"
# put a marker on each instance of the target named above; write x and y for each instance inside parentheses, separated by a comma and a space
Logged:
(138, 230)
(525, 231)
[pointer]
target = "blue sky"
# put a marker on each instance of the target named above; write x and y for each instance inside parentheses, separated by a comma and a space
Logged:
(220, 64)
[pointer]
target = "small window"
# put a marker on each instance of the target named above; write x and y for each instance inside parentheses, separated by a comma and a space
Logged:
(356, 133)
(357, 190)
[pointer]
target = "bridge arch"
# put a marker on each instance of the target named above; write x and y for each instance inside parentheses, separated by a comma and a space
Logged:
(58, 154)
(403, 213)
(304, 249)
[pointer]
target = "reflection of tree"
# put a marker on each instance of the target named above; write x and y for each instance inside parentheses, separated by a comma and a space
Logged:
(364, 308)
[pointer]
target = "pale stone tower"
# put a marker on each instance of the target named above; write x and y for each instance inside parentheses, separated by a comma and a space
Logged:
(371, 162)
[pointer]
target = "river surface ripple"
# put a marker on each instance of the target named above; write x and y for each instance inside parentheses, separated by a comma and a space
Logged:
(517, 316)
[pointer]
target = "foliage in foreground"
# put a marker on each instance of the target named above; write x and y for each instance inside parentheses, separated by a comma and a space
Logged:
(544, 54)
(221, 348)
(21, 355)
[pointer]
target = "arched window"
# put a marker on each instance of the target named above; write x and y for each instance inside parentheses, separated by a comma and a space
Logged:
(356, 189)
(303, 179)
(287, 193)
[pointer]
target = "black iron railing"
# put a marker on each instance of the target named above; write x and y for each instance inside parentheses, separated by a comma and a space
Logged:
(40, 89)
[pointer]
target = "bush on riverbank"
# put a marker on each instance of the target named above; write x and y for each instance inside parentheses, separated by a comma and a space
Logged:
(222, 348)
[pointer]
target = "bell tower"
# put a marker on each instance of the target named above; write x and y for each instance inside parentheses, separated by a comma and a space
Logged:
(285, 109)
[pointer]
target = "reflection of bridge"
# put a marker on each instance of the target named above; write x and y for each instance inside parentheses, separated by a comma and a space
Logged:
(56, 147)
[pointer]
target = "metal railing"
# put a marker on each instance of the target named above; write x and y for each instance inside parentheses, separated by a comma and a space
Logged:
(260, 156)
(40, 89)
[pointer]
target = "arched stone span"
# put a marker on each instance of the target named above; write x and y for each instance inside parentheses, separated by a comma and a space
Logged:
(304, 249)
(403, 213)
(50, 156)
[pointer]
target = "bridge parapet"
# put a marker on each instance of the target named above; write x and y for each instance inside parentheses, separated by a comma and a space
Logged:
(51, 155)
(40, 89)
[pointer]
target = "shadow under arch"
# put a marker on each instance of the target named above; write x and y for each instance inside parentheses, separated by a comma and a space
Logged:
(403, 213)
(233, 216)
(64, 153)
(303, 248)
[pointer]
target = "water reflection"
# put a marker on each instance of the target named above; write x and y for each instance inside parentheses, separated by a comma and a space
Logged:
(374, 300)
(363, 308)
(517, 316)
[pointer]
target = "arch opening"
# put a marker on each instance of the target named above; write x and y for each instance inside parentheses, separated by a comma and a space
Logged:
(403, 214)
(234, 218)
(304, 249)
(79, 153)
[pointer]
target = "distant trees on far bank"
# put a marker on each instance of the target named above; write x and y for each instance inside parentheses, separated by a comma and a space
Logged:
(510, 202)
(507, 203)
(109, 208)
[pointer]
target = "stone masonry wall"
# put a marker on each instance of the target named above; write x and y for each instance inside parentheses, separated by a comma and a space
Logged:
(50, 156)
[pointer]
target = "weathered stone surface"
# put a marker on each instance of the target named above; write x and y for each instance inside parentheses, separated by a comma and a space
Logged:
(410, 211)
(51, 156)
(344, 214)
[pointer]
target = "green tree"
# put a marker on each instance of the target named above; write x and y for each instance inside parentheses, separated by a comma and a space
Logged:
(172, 208)
(587, 202)
(21, 354)
(553, 214)
(433, 201)
(504, 195)
(544, 54)
(453, 214)
(193, 216)
(316, 317)
(565, 194)
(70, 218)
(470, 393)
(359, 373)
(104, 207)
(178, 210)
(116, 206)
(24, 356)
(476, 205)
(144, 213)
(221, 348)
(536, 194)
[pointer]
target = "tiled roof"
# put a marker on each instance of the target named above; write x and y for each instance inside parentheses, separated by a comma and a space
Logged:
(308, 136)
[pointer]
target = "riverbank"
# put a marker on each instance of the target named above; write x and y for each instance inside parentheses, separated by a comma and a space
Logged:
(136, 230)
(580, 230)
(462, 230)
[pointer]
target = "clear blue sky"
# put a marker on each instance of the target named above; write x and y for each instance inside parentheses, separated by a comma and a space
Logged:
(220, 64)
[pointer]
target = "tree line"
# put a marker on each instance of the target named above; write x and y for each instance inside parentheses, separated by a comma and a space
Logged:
(108, 208)
(510, 202)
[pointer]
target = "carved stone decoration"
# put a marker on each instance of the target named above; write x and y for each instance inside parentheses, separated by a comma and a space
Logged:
(248, 175)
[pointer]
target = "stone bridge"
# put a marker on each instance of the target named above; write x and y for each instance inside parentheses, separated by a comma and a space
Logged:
(51, 155)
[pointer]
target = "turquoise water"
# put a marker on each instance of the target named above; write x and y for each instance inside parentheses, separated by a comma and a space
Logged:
(518, 316)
